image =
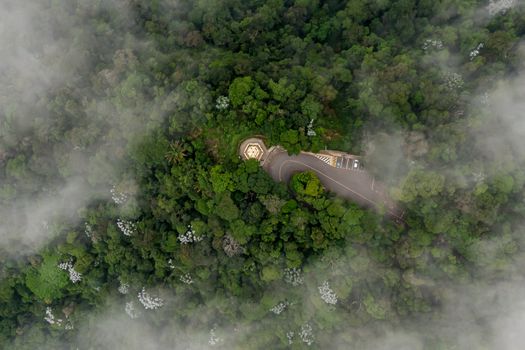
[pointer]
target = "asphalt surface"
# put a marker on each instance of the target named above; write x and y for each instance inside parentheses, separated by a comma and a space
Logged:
(355, 185)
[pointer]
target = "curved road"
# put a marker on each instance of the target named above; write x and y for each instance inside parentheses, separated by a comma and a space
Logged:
(356, 185)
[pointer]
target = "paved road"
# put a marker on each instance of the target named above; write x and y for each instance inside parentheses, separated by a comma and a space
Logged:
(356, 185)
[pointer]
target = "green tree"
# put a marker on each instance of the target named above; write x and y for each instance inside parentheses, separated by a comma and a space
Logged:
(420, 183)
(47, 281)
(307, 184)
(225, 207)
(240, 89)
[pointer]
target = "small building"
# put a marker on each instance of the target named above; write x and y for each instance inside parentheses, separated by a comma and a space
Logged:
(253, 148)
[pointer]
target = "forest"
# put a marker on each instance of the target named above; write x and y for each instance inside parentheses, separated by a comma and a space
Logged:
(129, 221)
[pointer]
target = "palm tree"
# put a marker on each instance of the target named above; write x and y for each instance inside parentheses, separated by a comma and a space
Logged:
(176, 152)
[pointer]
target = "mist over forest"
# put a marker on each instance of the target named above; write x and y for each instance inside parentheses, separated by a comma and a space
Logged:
(129, 221)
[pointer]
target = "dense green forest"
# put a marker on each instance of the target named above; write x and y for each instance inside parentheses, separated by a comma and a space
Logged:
(128, 220)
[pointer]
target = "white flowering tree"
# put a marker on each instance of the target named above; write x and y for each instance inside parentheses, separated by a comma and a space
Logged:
(500, 6)
(327, 294)
(88, 230)
(432, 44)
(186, 278)
(310, 129)
(214, 339)
(222, 103)
(453, 81)
(131, 311)
(293, 276)
(57, 322)
(126, 227)
(123, 288)
(190, 236)
(280, 307)
(148, 301)
(117, 196)
(290, 336)
(474, 53)
(50, 317)
(171, 265)
(306, 334)
(74, 276)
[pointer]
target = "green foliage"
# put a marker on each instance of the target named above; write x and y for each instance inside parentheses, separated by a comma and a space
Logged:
(47, 281)
(140, 117)
(221, 181)
(307, 184)
(240, 89)
(270, 273)
(226, 208)
(310, 107)
(282, 90)
(16, 167)
(373, 308)
(421, 183)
